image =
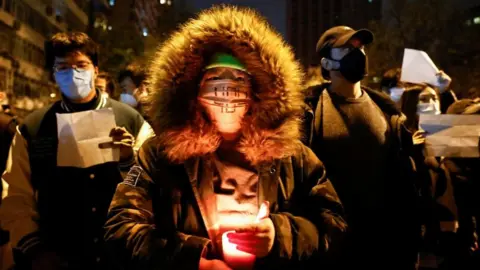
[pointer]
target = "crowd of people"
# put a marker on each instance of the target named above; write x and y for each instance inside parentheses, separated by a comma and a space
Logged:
(222, 142)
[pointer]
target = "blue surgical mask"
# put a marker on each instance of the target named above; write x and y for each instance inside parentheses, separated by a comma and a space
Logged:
(396, 93)
(432, 107)
(75, 83)
(128, 99)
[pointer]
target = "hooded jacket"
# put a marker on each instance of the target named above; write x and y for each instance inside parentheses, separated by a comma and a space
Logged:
(158, 218)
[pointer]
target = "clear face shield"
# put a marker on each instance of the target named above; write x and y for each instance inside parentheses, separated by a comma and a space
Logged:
(226, 102)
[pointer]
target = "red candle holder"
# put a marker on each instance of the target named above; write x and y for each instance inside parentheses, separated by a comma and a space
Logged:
(236, 259)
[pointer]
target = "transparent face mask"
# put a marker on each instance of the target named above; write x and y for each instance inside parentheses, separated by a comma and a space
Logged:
(226, 103)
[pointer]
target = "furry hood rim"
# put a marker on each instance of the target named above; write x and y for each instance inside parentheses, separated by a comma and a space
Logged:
(271, 130)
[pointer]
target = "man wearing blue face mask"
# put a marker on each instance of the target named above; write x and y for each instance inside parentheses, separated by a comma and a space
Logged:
(55, 214)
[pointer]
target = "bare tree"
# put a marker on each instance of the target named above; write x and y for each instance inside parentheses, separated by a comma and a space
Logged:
(434, 26)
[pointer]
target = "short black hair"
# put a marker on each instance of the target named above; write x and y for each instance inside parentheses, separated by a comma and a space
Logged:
(137, 74)
(391, 78)
(110, 83)
(62, 44)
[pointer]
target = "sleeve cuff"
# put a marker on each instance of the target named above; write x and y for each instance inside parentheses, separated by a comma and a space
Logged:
(30, 244)
(126, 164)
(192, 251)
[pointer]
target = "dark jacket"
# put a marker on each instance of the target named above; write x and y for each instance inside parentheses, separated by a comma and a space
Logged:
(8, 125)
(158, 219)
(400, 188)
(59, 209)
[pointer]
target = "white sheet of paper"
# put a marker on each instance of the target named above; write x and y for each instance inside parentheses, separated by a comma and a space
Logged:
(79, 135)
(452, 135)
(417, 67)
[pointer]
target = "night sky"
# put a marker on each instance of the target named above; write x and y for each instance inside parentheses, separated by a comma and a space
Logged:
(273, 10)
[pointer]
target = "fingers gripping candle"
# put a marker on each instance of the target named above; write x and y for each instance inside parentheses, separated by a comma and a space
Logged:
(237, 259)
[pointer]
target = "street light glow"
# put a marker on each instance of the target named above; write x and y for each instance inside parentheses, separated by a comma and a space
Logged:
(53, 95)
(162, 2)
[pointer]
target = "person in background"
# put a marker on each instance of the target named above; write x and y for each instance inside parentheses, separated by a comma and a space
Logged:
(391, 84)
(438, 207)
(227, 155)
(55, 214)
(8, 126)
(131, 82)
(134, 90)
(394, 87)
(359, 134)
(465, 173)
(106, 84)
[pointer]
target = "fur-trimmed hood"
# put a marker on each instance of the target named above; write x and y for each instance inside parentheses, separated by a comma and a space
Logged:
(272, 128)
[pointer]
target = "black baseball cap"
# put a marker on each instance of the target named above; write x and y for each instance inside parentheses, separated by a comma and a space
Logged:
(338, 36)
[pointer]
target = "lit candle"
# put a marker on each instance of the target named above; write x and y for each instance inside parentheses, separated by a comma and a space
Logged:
(236, 259)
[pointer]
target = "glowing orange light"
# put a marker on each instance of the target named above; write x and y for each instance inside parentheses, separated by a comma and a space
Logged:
(235, 258)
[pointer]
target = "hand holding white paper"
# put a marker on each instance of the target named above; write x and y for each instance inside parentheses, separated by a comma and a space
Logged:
(79, 136)
(417, 67)
(452, 135)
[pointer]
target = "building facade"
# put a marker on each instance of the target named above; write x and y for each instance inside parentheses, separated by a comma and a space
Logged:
(308, 19)
(135, 28)
(25, 25)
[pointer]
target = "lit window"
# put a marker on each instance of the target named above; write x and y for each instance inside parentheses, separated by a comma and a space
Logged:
(111, 2)
(476, 20)
(145, 32)
(162, 2)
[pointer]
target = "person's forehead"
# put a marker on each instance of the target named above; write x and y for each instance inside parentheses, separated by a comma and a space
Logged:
(126, 80)
(428, 91)
(220, 70)
(75, 56)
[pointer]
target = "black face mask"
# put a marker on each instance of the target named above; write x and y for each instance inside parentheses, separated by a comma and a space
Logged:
(353, 66)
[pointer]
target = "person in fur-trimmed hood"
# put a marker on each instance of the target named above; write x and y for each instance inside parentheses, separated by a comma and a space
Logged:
(226, 109)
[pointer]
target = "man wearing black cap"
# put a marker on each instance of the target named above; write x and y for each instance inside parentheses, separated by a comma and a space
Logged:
(359, 134)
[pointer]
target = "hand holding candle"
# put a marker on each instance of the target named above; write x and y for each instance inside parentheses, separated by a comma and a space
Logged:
(255, 238)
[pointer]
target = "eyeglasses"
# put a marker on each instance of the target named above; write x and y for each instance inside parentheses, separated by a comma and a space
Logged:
(65, 67)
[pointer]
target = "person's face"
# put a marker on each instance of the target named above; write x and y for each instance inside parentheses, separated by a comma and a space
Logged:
(128, 86)
(428, 102)
(225, 96)
(76, 60)
(75, 74)
(338, 53)
(101, 84)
